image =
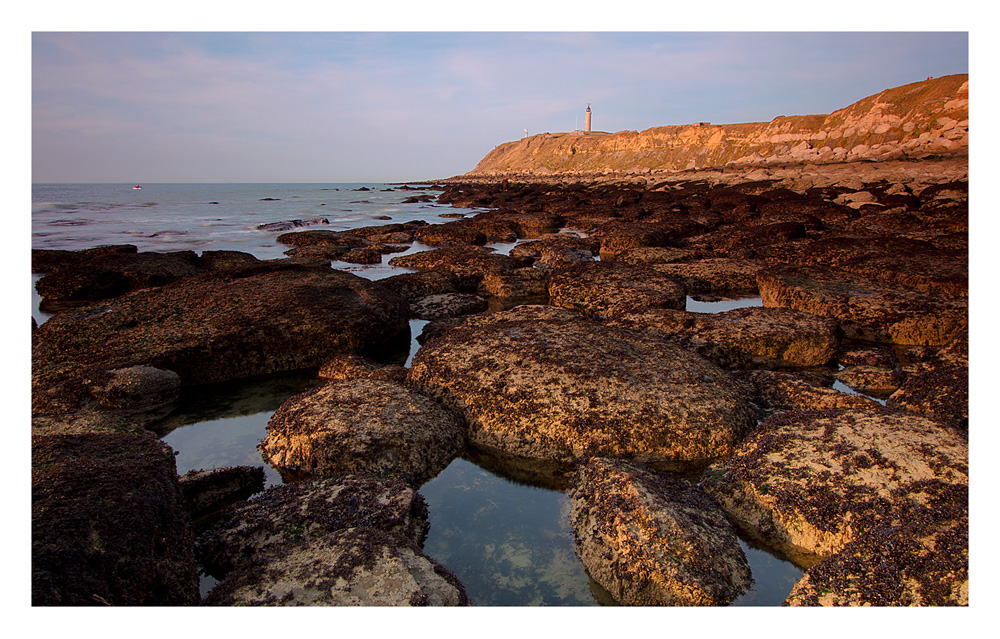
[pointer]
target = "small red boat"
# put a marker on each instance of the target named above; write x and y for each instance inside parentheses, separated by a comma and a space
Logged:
(136, 187)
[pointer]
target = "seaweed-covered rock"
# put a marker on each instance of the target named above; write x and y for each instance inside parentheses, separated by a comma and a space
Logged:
(654, 538)
(603, 289)
(216, 326)
(507, 289)
(444, 305)
(745, 337)
(546, 383)
(866, 311)
(104, 276)
(363, 426)
(208, 491)
(939, 386)
(108, 522)
(717, 276)
(811, 482)
(921, 561)
(775, 391)
(349, 541)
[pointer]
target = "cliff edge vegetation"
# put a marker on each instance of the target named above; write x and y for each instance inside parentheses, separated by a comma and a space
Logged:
(913, 121)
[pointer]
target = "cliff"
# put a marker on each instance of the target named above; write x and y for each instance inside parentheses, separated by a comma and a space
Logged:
(923, 119)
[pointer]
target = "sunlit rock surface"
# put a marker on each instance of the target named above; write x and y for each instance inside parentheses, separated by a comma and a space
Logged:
(866, 311)
(745, 337)
(811, 482)
(366, 426)
(545, 382)
(655, 539)
(352, 541)
(601, 289)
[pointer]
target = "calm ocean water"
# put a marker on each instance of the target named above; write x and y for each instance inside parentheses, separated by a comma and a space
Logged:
(198, 217)
(510, 543)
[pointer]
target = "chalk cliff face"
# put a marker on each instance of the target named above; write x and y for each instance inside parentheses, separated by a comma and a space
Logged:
(929, 118)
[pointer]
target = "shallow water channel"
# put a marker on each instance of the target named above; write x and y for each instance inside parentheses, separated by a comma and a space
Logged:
(510, 542)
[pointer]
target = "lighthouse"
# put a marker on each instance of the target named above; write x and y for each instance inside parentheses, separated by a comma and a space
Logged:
(586, 126)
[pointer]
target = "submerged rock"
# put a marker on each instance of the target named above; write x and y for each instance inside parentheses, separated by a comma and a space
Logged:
(654, 539)
(546, 383)
(365, 426)
(348, 541)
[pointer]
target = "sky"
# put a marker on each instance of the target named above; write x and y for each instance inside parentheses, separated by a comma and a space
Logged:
(370, 105)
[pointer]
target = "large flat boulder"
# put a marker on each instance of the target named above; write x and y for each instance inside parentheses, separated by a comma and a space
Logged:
(867, 311)
(810, 482)
(215, 327)
(745, 337)
(655, 539)
(924, 561)
(108, 520)
(547, 383)
(603, 289)
(366, 426)
(350, 541)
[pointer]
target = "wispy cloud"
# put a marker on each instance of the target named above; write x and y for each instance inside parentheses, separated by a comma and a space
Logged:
(304, 106)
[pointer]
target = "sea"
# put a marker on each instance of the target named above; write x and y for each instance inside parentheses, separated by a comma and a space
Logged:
(507, 539)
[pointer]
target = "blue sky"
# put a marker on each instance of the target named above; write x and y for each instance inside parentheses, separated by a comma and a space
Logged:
(203, 106)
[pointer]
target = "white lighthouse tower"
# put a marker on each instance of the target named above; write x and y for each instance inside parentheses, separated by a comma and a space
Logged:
(586, 126)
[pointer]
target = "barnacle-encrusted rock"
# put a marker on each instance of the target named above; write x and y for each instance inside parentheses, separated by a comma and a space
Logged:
(106, 275)
(136, 389)
(545, 382)
(810, 482)
(108, 523)
(602, 289)
(654, 538)
(939, 386)
(866, 311)
(718, 276)
(216, 326)
(208, 491)
(442, 305)
(351, 541)
(745, 337)
(363, 426)
(781, 390)
(921, 561)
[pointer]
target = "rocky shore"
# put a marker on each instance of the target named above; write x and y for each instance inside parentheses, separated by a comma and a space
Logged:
(672, 430)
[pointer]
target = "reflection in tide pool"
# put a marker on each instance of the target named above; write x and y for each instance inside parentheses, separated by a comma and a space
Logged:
(510, 544)
(721, 305)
